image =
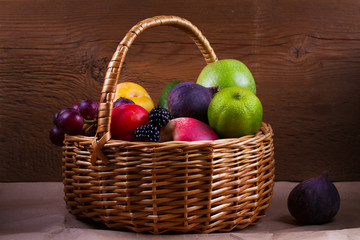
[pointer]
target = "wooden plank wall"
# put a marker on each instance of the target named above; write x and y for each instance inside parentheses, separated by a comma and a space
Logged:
(304, 55)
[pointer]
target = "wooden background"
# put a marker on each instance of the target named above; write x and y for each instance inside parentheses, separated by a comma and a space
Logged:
(304, 55)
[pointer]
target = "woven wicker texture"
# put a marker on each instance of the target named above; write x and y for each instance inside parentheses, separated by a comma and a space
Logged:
(201, 186)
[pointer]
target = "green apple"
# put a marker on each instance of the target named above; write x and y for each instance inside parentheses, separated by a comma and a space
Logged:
(227, 73)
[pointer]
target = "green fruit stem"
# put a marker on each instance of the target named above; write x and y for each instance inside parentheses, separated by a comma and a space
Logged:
(90, 121)
(237, 95)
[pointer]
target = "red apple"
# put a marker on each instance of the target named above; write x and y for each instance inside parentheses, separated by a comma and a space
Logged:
(186, 129)
(125, 119)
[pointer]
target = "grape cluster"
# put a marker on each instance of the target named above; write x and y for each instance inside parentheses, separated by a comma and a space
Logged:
(81, 118)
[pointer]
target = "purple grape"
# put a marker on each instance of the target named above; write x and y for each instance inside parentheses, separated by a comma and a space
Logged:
(76, 106)
(122, 100)
(55, 118)
(70, 121)
(89, 109)
(65, 109)
(57, 136)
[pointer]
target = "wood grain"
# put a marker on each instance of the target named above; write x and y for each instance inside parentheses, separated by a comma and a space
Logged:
(304, 55)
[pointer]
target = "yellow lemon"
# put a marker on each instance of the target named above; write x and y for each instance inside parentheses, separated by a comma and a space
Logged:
(136, 93)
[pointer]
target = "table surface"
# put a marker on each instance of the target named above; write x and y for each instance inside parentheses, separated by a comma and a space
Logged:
(37, 211)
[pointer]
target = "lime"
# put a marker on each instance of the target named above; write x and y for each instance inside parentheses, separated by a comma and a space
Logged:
(227, 73)
(235, 112)
(163, 97)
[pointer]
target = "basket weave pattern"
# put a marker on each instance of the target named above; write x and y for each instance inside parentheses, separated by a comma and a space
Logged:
(201, 186)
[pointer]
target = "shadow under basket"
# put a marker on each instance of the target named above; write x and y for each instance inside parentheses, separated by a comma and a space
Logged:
(175, 186)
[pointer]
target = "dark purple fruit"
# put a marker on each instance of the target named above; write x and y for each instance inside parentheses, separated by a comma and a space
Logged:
(189, 99)
(55, 117)
(76, 106)
(122, 100)
(71, 121)
(314, 201)
(159, 117)
(89, 109)
(57, 136)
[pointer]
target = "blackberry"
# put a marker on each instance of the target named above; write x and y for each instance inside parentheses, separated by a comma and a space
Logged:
(147, 133)
(159, 117)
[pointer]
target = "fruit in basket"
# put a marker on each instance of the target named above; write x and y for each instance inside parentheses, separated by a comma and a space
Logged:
(89, 129)
(235, 112)
(147, 133)
(89, 109)
(70, 121)
(122, 100)
(159, 117)
(190, 99)
(56, 116)
(76, 106)
(136, 93)
(125, 119)
(227, 73)
(314, 201)
(81, 118)
(55, 119)
(163, 97)
(186, 129)
(57, 136)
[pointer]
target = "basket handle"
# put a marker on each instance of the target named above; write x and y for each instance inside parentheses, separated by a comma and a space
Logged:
(113, 71)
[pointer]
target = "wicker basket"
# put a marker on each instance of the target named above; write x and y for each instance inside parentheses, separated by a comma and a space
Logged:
(200, 186)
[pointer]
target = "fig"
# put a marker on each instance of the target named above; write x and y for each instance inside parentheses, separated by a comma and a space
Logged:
(314, 201)
(189, 99)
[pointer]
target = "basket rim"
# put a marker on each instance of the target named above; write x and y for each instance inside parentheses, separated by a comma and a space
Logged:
(264, 131)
